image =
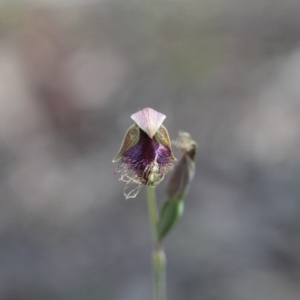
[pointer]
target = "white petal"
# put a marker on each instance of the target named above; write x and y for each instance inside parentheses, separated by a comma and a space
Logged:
(149, 120)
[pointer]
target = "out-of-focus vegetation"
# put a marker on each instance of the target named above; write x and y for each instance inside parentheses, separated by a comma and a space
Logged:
(72, 73)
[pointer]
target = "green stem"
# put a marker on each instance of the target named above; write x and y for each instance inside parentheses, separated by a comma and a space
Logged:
(158, 257)
(152, 209)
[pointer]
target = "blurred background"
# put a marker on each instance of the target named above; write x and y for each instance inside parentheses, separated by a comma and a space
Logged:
(72, 73)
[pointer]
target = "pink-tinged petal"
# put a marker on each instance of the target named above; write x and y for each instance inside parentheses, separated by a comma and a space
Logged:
(149, 120)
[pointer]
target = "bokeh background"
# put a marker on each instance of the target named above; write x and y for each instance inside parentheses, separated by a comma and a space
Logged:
(72, 73)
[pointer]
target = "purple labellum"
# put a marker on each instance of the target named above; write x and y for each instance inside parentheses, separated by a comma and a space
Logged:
(145, 154)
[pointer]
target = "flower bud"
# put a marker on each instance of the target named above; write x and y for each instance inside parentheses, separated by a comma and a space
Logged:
(178, 186)
(183, 173)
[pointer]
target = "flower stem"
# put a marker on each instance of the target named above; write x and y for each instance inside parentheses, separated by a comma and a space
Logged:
(152, 209)
(158, 256)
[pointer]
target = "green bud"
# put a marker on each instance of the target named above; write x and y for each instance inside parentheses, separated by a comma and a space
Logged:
(178, 186)
(184, 172)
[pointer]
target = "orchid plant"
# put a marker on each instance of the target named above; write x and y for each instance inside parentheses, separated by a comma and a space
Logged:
(145, 157)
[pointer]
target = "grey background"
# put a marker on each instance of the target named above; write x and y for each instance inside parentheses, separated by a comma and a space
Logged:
(72, 73)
